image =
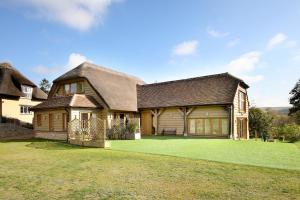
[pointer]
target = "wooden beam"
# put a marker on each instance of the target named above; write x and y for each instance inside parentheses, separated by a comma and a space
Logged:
(156, 113)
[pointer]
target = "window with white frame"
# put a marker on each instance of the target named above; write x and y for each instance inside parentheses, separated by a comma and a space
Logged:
(25, 109)
(27, 91)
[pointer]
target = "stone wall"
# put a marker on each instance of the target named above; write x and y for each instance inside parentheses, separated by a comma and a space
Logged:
(8, 130)
(51, 135)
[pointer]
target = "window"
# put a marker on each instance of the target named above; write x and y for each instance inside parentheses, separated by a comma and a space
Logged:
(67, 88)
(209, 126)
(25, 109)
(200, 126)
(215, 126)
(224, 124)
(73, 88)
(242, 101)
(39, 119)
(84, 120)
(80, 87)
(27, 91)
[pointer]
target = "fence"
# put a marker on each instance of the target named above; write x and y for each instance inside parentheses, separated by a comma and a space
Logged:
(90, 132)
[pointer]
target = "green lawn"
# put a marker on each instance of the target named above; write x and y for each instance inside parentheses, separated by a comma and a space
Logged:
(258, 153)
(40, 169)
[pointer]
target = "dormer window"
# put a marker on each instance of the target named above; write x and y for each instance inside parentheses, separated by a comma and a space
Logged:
(27, 91)
(74, 88)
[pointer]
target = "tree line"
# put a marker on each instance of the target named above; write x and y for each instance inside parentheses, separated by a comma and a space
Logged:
(277, 125)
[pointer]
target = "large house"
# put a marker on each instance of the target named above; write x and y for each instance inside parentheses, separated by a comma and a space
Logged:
(17, 95)
(210, 106)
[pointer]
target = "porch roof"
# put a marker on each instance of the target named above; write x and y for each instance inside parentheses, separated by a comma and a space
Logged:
(76, 101)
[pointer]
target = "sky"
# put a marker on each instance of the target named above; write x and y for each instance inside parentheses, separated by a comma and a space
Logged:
(257, 41)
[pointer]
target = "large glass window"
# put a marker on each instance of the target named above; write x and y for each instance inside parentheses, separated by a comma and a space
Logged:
(200, 126)
(225, 124)
(215, 126)
(242, 101)
(207, 126)
(73, 88)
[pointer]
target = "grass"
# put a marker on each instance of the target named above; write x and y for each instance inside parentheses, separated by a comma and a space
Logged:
(257, 153)
(41, 169)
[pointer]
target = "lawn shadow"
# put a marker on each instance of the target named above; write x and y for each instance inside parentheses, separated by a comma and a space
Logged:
(39, 143)
(53, 145)
(172, 137)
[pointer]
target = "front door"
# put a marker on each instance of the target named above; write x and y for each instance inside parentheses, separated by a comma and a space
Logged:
(242, 127)
(146, 123)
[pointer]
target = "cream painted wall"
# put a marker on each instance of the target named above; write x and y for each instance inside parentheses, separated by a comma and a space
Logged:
(237, 113)
(11, 108)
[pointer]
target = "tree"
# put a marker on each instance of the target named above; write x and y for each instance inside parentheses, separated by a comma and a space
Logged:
(259, 121)
(295, 98)
(45, 85)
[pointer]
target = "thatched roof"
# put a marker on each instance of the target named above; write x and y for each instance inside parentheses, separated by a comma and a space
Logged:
(11, 81)
(206, 90)
(118, 90)
(75, 101)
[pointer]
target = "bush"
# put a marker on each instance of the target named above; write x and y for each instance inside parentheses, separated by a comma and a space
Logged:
(132, 127)
(290, 132)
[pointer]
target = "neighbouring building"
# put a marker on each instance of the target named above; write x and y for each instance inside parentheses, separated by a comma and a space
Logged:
(17, 95)
(209, 106)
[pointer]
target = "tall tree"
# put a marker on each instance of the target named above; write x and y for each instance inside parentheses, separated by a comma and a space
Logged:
(295, 102)
(259, 121)
(45, 85)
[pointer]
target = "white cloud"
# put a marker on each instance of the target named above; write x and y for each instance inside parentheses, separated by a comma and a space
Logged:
(276, 40)
(233, 42)
(246, 62)
(77, 14)
(74, 60)
(215, 33)
(185, 48)
(291, 43)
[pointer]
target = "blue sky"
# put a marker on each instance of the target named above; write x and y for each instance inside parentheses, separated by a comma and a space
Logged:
(258, 41)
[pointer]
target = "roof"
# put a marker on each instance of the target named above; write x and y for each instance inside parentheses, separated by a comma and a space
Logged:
(206, 90)
(76, 101)
(118, 90)
(11, 80)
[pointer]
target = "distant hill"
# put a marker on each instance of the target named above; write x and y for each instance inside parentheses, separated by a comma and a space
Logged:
(281, 110)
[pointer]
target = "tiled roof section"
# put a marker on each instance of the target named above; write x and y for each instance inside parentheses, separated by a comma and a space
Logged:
(76, 100)
(205, 90)
(80, 100)
(117, 89)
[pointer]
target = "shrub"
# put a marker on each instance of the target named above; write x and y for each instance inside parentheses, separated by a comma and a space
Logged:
(290, 132)
(132, 127)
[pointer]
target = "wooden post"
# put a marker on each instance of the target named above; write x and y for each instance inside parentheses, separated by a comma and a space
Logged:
(156, 113)
(185, 112)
